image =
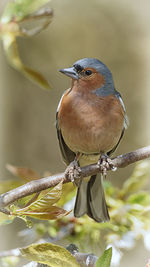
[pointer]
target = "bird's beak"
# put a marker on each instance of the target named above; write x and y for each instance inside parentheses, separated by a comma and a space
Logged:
(70, 72)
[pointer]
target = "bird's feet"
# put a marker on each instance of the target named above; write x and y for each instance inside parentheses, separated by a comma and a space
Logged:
(73, 171)
(105, 163)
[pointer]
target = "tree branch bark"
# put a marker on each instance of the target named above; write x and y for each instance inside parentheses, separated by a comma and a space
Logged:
(51, 181)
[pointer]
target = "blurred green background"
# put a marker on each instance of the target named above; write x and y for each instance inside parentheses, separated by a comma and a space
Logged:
(117, 33)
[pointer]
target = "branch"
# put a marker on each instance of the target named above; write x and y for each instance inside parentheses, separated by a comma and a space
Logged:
(84, 259)
(51, 181)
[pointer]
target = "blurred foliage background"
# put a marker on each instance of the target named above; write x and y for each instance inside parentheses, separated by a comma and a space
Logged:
(116, 32)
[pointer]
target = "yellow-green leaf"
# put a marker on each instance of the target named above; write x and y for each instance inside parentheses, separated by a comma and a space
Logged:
(11, 51)
(52, 213)
(141, 198)
(47, 200)
(50, 254)
(105, 259)
(15, 15)
(35, 76)
(21, 8)
(35, 23)
(44, 207)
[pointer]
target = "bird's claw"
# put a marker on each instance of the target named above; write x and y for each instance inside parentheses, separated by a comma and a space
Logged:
(105, 163)
(73, 171)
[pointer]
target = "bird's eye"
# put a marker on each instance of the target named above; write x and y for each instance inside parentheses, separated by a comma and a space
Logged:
(88, 72)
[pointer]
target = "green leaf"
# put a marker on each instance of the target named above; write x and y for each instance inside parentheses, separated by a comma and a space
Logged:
(142, 198)
(20, 9)
(40, 228)
(50, 254)
(105, 259)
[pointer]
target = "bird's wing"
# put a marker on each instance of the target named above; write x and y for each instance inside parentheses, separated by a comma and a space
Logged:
(126, 121)
(67, 154)
(114, 148)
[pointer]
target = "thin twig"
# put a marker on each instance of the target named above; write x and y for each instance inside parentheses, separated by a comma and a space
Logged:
(51, 181)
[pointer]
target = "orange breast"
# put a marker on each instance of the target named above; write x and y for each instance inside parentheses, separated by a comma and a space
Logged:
(90, 124)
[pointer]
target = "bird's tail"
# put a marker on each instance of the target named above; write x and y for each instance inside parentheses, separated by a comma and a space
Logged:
(90, 199)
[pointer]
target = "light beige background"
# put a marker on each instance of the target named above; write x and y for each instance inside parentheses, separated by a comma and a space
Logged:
(116, 32)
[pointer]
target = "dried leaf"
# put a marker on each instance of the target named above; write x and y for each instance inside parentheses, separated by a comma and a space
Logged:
(24, 173)
(105, 259)
(50, 254)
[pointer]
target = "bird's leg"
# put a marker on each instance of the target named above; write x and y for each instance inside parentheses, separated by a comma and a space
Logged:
(73, 171)
(104, 163)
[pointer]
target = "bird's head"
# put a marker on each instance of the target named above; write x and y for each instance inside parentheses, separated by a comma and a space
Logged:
(92, 74)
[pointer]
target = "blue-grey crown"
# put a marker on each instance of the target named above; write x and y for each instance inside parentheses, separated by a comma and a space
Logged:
(94, 63)
(100, 67)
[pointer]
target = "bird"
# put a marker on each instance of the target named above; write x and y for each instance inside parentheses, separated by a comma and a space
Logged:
(90, 121)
